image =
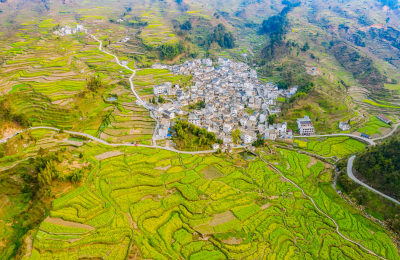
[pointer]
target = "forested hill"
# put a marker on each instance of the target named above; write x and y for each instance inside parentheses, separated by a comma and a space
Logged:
(380, 166)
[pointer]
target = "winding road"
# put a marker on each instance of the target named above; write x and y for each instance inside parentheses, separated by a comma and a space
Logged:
(366, 140)
(351, 175)
(350, 162)
(91, 137)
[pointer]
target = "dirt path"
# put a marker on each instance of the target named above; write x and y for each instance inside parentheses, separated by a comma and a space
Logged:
(61, 222)
(107, 155)
(222, 218)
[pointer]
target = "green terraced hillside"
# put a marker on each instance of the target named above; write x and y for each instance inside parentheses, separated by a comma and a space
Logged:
(148, 203)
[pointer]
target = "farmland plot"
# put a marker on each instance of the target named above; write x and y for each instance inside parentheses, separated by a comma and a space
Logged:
(156, 204)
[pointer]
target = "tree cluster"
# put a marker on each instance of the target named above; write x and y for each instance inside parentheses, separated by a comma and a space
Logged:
(94, 83)
(191, 136)
(275, 28)
(368, 199)
(260, 142)
(293, 73)
(169, 51)
(380, 166)
(186, 26)
(222, 37)
(199, 105)
(271, 119)
(302, 91)
(46, 169)
(236, 136)
(8, 115)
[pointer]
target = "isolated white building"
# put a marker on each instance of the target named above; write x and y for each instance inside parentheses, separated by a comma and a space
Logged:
(344, 126)
(305, 126)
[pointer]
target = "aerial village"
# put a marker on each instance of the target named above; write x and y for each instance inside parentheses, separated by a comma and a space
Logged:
(233, 98)
(68, 30)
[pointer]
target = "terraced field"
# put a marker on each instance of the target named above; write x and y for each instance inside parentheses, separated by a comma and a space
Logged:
(46, 81)
(332, 146)
(17, 212)
(148, 203)
(127, 122)
(158, 29)
(373, 126)
(311, 177)
(145, 79)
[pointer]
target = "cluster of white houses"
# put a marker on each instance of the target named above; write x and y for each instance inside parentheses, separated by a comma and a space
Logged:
(67, 30)
(233, 96)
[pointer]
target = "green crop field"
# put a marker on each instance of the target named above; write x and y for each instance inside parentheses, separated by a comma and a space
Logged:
(146, 79)
(46, 81)
(332, 146)
(374, 103)
(373, 126)
(148, 203)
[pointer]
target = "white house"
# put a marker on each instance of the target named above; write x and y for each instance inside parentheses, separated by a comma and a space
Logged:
(281, 128)
(227, 128)
(262, 118)
(194, 119)
(293, 90)
(270, 134)
(68, 30)
(215, 146)
(247, 139)
(160, 89)
(305, 126)
(207, 62)
(169, 114)
(344, 126)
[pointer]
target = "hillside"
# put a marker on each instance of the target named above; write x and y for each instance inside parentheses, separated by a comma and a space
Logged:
(380, 167)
